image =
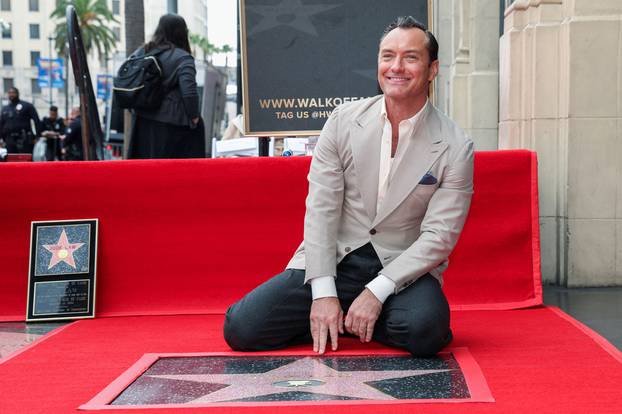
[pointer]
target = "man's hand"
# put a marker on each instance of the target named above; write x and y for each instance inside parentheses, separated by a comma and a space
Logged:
(363, 314)
(326, 318)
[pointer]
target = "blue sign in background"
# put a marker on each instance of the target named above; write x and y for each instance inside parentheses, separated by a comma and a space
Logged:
(57, 67)
(104, 86)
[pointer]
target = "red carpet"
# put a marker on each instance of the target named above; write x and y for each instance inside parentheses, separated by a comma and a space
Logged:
(206, 223)
(218, 228)
(533, 360)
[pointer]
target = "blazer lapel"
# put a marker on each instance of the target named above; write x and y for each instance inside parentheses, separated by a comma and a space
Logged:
(424, 148)
(365, 143)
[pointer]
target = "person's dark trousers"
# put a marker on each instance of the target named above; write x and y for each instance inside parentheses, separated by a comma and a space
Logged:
(276, 314)
(19, 142)
(154, 139)
(52, 149)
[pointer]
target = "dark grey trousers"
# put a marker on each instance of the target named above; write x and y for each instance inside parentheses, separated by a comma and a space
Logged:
(276, 314)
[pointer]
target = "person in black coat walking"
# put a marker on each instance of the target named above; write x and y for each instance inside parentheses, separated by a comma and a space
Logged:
(175, 129)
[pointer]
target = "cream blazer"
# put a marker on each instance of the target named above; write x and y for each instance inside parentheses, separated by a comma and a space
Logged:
(422, 214)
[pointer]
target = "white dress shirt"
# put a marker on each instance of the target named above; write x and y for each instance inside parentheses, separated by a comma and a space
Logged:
(381, 286)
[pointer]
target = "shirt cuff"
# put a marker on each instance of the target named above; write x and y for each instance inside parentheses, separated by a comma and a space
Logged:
(323, 287)
(382, 287)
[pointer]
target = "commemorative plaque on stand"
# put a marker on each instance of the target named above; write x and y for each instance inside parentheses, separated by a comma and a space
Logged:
(62, 270)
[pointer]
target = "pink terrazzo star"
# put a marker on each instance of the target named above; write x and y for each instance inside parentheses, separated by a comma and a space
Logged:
(62, 251)
(306, 374)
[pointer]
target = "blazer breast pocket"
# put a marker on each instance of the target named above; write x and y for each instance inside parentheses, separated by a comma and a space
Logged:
(426, 188)
(428, 179)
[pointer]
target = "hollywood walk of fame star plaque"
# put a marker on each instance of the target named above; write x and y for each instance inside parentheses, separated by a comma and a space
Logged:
(223, 379)
(302, 58)
(62, 272)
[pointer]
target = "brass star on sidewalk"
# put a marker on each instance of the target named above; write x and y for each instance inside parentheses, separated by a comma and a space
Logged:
(62, 251)
(304, 375)
(290, 13)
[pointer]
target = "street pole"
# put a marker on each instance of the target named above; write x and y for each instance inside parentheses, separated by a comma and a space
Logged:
(50, 38)
(67, 82)
(238, 75)
(108, 106)
(172, 6)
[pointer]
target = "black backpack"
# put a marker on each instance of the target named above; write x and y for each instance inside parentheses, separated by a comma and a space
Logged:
(138, 84)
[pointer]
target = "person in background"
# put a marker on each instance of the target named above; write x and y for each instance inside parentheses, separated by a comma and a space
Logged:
(175, 129)
(15, 127)
(235, 129)
(72, 142)
(53, 127)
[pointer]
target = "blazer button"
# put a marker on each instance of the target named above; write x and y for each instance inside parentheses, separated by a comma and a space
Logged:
(372, 231)
(347, 249)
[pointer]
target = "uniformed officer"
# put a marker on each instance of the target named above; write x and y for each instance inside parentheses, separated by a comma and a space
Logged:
(72, 144)
(15, 128)
(53, 127)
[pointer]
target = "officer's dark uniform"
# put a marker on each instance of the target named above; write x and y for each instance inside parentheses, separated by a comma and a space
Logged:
(15, 127)
(57, 125)
(73, 141)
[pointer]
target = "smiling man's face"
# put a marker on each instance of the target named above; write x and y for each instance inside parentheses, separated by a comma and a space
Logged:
(404, 67)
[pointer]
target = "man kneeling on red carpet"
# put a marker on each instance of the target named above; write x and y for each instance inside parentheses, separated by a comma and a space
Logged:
(390, 186)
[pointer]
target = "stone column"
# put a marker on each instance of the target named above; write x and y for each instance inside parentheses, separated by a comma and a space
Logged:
(475, 70)
(442, 29)
(468, 84)
(530, 75)
(561, 78)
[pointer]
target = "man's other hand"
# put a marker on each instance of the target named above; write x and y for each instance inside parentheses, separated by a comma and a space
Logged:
(362, 315)
(326, 318)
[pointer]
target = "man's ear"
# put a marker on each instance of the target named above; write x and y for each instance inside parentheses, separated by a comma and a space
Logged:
(433, 70)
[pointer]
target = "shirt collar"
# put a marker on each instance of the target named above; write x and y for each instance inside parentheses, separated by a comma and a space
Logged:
(412, 120)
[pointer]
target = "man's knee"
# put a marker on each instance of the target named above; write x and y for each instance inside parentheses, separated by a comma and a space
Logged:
(270, 316)
(427, 341)
(239, 334)
(422, 337)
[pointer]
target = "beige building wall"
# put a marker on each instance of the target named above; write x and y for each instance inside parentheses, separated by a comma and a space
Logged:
(467, 88)
(194, 13)
(560, 94)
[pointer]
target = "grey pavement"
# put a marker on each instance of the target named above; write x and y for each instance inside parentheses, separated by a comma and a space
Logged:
(598, 308)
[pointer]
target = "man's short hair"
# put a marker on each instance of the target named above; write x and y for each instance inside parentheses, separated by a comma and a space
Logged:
(409, 22)
(53, 108)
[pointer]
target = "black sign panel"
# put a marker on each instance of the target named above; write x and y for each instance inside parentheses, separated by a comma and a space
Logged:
(302, 58)
(61, 283)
